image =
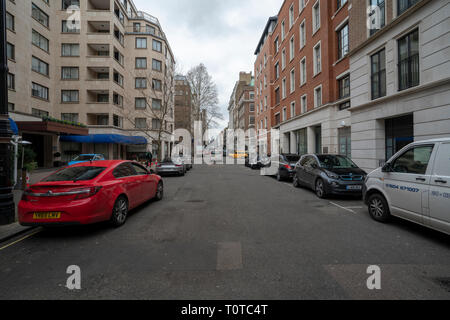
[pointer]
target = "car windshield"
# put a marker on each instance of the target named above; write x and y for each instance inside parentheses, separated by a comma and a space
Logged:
(84, 157)
(75, 174)
(292, 158)
(336, 162)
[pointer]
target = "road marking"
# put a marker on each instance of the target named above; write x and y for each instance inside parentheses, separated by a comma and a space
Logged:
(21, 239)
(347, 209)
(229, 256)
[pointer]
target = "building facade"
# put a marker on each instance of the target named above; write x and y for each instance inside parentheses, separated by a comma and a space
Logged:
(245, 80)
(309, 90)
(400, 76)
(96, 67)
(184, 116)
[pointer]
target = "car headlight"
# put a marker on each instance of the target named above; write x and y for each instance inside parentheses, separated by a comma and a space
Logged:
(332, 175)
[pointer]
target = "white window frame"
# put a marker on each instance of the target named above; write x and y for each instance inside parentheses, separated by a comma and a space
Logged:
(292, 80)
(316, 72)
(302, 34)
(284, 114)
(315, 96)
(304, 106)
(292, 48)
(283, 30)
(301, 6)
(283, 88)
(283, 59)
(293, 109)
(314, 22)
(291, 16)
(303, 72)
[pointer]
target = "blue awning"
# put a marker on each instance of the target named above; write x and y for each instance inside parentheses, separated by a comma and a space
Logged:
(14, 127)
(105, 138)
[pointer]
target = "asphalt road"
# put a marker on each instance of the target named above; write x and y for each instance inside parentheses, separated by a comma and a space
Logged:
(225, 232)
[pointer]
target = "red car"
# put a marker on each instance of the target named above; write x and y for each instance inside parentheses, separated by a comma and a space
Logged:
(90, 192)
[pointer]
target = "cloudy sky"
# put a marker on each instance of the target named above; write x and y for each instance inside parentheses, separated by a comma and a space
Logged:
(222, 34)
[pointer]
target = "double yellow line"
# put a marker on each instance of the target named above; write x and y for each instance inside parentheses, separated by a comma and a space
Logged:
(21, 239)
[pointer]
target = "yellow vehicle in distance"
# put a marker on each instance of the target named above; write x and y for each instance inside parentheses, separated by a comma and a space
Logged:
(238, 154)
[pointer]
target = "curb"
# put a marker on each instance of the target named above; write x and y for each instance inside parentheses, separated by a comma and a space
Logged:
(19, 233)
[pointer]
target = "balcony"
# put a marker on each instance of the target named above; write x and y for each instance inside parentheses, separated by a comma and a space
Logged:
(98, 5)
(98, 28)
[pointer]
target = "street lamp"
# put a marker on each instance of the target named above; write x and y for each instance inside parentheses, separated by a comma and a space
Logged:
(7, 207)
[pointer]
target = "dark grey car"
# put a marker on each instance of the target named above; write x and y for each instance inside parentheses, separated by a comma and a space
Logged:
(329, 174)
(286, 166)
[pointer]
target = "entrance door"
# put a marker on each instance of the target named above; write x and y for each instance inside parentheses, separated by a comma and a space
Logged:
(302, 141)
(318, 135)
(345, 142)
(399, 133)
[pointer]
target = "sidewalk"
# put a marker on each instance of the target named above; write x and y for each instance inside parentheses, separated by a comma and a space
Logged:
(15, 229)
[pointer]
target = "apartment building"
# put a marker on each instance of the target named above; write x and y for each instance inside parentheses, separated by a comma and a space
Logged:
(264, 78)
(400, 79)
(184, 114)
(87, 77)
(310, 89)
(245, 80)
(246, 108)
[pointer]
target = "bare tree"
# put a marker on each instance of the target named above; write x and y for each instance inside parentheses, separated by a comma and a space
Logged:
(155, 103)
(204, 96)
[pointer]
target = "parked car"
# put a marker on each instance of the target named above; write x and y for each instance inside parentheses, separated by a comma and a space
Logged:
(286, 166)
(89, 192)
(86, 158)
(171, 167)
(329, 174)
(413, 185)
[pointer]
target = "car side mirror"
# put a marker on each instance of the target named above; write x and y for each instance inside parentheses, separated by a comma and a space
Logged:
(387, 168)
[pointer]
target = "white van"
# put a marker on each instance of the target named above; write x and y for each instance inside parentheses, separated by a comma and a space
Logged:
(413, 185)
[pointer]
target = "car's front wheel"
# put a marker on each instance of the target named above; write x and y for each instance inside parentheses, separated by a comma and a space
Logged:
(159, 191)
(378, 208)
(320, 189)
(120, 212)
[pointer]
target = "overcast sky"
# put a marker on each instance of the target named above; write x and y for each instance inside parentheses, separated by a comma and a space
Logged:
(222, 34)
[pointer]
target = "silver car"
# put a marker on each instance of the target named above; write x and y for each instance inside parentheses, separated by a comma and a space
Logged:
(169, 167)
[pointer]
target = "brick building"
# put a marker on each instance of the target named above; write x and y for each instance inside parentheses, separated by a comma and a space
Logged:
(184, 117)
(305, 56)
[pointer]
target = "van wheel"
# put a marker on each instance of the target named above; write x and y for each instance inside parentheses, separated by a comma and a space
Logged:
(120, 212)
(378, 208)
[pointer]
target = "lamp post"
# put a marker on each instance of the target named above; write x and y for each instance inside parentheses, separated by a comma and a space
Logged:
(7, 207)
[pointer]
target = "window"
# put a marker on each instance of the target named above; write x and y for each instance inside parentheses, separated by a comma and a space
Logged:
(11, 81)
(276, 45)
(317, 59)
(71, 26)
(343, 41)
(156, 65)
(141, 123)
(291, 16)
(301, 5)
(39, 15)
(252, 107)
(150, 29)
(304, 105)
(408, 57)
(70, 50)
(377, 16)
(156, 124)
(292, 81)
(292, 109)
(284, 117)
(39, 113)
(277, 119)
(156, 104)
(40, 41)
(11, 107)
(413, 161)
(317, 97)
(303, 71)
(140, 103)
(10, 51)
(117, 99)
(10, 21)
(141, 43)
(283, 59)
(39, 66)
(71, 117)
(316, 16)
(136, 27)
(157, 84)
(157, 46)
(403, 5)
(283, 88)
(283, 33)
(378, 74)
(117, 121)
(277, 96)
(292, 48)
(277, 70)
(70, 96)
(118, 78)
(302, 34)
(141, 83)
(124, 170)
(68, 3)
(344, 87)
(141, 63)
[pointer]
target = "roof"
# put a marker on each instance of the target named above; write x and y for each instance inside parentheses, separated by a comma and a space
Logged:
(266, 31)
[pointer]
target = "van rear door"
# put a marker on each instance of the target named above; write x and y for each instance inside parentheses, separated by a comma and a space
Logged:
(440, 190)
